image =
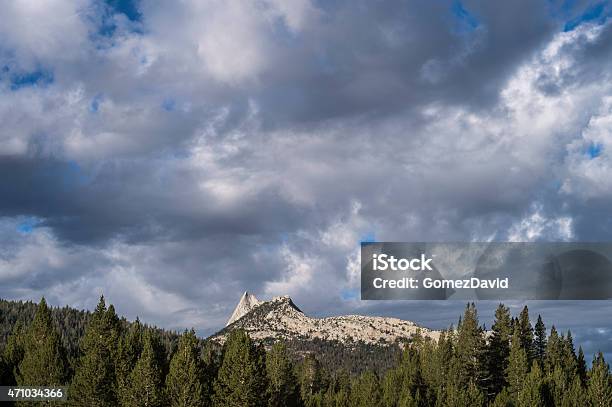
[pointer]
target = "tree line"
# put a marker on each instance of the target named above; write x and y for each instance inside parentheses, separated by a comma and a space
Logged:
(118, 364)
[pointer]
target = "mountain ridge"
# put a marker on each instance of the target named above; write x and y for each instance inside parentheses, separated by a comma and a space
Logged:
(280, 319)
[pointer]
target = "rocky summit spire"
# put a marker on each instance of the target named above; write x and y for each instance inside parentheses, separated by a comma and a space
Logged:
(246, 304)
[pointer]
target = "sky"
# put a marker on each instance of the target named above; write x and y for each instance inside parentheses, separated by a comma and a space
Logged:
(171, 155)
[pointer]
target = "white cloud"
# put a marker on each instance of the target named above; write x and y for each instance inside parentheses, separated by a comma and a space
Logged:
(589, 162)
(296, 277)
(537, 226)
(35, 264)
(44, 31)
(232, 42)
(296, 13)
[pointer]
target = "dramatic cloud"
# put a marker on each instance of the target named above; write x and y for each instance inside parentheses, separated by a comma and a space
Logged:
(174, 154)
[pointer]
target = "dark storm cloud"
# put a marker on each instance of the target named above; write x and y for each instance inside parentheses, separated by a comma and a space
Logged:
(185, 152)
(379, 58)
(129, 200)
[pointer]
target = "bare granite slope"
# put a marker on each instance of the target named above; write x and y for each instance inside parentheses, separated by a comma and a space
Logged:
(245, 305)
(280, 318)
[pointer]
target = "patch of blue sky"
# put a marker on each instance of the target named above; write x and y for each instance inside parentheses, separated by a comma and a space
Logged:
(107, 23)
(465, 21)
(595, 13)
(129, 8)
(107, 27)
(347, 294)
(270, 248)
(555, 184)
(324, 63)
(22, 79)
(368, 237)
(285, 34)
(594, 150)
(284, 237)
(168, 104)
(27, 225)
(95, 103)
(73, 175)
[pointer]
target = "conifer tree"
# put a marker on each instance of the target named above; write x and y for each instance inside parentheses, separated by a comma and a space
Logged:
(531, 395)
(94, 383)
(146, 378)
(4, 373)
(410, 373)
(456, 396)
(406, 399)
(391, 384)
(44, 361)
(310, 377)
(443, 354)
(557, 385)
(569, 361)
(540, 342)
(474, 396)
(576, 395)
(569, 343)
(13, 354)
(470, 347)
(503, 399)
(241, 379)
(436, 360)
(342, 398)
(448, 395)
(184, 386)
(113, 331)
(315, 400)
(130, 348)
(282, 383)
(560, 364)
(581, 367)
(554, 351)
(365, 391)
(339, 390)
(600, 386)
(211, 361)
(499, 349)
(211, 358)
(328, 399)
(526, 333)
(518, 365)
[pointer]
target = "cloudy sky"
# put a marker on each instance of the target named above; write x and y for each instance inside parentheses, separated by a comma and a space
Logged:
(173, 154)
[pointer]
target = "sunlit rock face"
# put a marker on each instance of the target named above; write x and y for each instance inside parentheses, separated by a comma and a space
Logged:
(245, 305)
(280, 318)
